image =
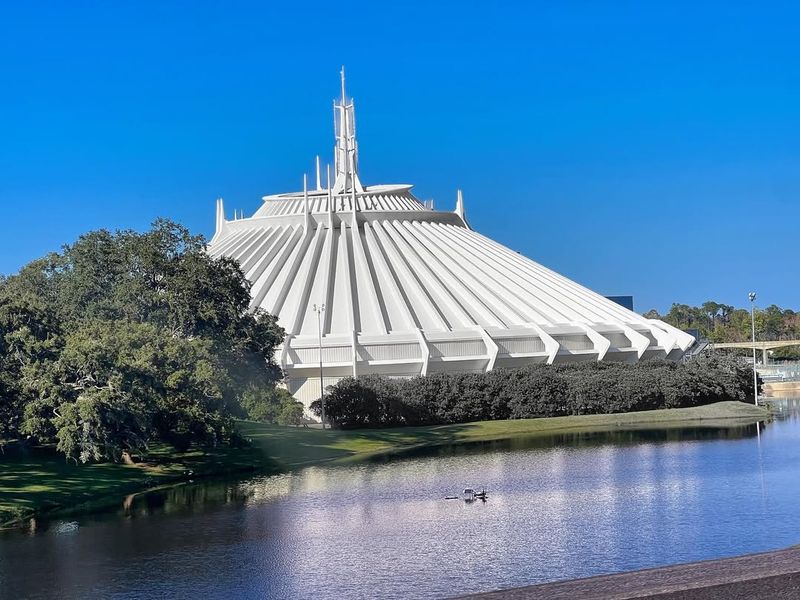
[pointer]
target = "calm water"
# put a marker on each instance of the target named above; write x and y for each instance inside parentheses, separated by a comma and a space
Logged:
(560, 508)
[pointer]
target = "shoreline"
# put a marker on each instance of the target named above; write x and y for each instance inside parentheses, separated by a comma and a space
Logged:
(293, 448)
(57, 488)
(770, 574)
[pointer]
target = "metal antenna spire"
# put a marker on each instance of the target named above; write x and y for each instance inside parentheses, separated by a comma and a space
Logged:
(346, 151)
(344, 96)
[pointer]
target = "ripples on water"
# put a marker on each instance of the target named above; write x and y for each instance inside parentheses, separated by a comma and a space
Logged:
(559, 508)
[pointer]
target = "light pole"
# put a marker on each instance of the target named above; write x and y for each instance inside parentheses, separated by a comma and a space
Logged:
(752, 296)
(319, 309)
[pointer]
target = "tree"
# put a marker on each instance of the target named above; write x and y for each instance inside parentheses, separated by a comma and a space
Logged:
(117, 385)
(157, 343)
(29, 334)
(271, 405)
(724, 323)
(291, 413)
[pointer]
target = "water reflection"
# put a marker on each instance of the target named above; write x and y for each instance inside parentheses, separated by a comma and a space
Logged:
(708, 431)
(560, 507)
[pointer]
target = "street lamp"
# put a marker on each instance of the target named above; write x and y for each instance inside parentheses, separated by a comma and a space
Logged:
(752, 296)
(319, 309)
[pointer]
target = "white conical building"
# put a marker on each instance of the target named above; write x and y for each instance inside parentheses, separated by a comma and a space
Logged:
(408, 290)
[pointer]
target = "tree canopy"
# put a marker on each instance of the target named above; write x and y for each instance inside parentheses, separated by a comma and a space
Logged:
(126, 338)
(724, 323)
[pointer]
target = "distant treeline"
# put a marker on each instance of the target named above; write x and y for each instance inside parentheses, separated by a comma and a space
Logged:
(535, 391)
(724, 323)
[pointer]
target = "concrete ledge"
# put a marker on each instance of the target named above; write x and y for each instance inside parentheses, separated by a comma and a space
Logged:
(771, 575)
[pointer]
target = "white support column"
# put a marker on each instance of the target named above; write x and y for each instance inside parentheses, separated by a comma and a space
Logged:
(351, 295)
(426, 352)
(664, 339)
(285, 352)
(363, 272)
(551, 346)
(355, 353)
(601, 343)
(328, 274)
(638, 341)
(491, 348)
(683, 340)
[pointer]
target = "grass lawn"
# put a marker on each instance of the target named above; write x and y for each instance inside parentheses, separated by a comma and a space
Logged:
(45, 482)
(291, 447)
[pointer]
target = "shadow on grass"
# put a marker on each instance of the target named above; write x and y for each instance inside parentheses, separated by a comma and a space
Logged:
(41, 481)
(292, 447)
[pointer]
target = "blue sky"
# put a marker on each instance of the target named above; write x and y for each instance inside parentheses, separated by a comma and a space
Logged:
(638, 148)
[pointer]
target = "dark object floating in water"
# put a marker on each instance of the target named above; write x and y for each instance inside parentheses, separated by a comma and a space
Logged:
(470, 495)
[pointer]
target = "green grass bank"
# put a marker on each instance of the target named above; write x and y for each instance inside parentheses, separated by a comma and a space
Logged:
(44, 483)
(291, 448)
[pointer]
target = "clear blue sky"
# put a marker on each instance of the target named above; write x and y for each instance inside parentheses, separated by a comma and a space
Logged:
(636, 147)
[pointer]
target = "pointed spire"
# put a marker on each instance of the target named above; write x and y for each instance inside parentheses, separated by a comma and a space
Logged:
(319, 178)
(460, 209)
(306, 211)
(346, 149)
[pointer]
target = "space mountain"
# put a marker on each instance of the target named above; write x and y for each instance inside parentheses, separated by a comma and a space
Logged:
(397, 288)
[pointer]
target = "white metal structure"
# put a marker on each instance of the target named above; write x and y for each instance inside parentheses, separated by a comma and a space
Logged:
(409, 290)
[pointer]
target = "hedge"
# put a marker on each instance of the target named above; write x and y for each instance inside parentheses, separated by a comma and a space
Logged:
(534, 391)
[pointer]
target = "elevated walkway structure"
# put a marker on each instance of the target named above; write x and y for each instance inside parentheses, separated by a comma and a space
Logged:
(764, 346)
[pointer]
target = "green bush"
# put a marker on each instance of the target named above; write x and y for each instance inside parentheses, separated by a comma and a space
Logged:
(270, 404)
(535, 391)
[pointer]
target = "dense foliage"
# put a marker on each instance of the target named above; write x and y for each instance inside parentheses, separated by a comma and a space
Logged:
(724, 323)
(535, 391)
(125, 338)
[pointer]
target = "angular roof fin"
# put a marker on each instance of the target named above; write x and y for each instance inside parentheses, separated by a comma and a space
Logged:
(222, 224)
(460, 209)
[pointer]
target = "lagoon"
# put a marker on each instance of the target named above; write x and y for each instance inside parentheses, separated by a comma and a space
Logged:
(560, 507)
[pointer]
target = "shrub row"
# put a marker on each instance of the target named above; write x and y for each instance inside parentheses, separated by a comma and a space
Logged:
(534, 391)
